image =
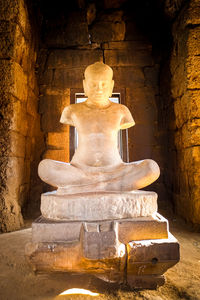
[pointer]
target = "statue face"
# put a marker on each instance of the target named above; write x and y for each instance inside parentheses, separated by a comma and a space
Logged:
(98, 86)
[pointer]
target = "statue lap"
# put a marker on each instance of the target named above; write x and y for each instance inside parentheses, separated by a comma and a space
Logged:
(124, 177)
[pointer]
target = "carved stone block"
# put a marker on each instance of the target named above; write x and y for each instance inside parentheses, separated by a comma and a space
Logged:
(98, 206)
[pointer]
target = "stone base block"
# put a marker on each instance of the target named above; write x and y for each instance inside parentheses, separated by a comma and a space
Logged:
(50, 257)
(142, 266)
(152, 257)
(100, 241)
(103, 248)
(98, 206)
(69, 257)
(46, 230)
(143, 228)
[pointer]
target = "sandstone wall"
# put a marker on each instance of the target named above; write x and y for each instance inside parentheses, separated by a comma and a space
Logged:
(20, 136)
(185, 91)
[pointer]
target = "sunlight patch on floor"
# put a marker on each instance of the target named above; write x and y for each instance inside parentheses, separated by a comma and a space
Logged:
(77, 291)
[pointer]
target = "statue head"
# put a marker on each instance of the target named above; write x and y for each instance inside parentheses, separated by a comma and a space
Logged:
(98, 83)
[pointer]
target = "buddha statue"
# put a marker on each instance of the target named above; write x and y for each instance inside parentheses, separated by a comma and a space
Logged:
(97, 165)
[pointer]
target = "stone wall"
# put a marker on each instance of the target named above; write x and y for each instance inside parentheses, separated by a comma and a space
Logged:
(20, 122)
(185, 90)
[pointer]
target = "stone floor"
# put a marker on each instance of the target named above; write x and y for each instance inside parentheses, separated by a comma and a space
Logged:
(19, 282)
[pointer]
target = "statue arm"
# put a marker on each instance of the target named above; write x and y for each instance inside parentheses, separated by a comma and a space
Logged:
(66, 116)
(127, 119)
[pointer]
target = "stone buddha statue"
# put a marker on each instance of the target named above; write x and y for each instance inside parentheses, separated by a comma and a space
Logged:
(97, 221)
(97, 165)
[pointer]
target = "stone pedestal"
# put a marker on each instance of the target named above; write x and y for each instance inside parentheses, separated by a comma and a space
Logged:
(127, 243)
(98, 206)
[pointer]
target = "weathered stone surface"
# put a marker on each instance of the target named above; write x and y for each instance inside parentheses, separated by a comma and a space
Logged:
(44, 230)
(152, 76)
(193, 73)
(185, 84)
(98, 206)
(145, 282)
(188, 135)
(193, 41)
(152, 256)
(32, 103)
(46, 77)
(179, 83)
(69, 257)
(142, 104)
(51, 108)
(189, 163)
(145, 228)
(145, 96)
(192, 14)
(122, 76)
(59, 155)
(23, 193)
(187, 107)
(12, 42)
(15, 80)
(68, 78)
(11, 217)
(126, 230)
(31, 124)
(18, 84)
(125, 58)
(49, 90)
(138, 152)
(72, 32)
(17, 144)
(58, 140)
(55, 256)
(58, 145)
(16, 11)
(128, 45)
(73, 58)
(29, 147)
(146, 132)
(100, 241)
(110, 27)
(16, 173)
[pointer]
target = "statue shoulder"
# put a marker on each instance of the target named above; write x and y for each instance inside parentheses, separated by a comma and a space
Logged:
(66, 116)
(127, 118)
(69, 111)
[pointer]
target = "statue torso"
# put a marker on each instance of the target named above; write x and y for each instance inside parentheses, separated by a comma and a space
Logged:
(97, 132)
(97, 135)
